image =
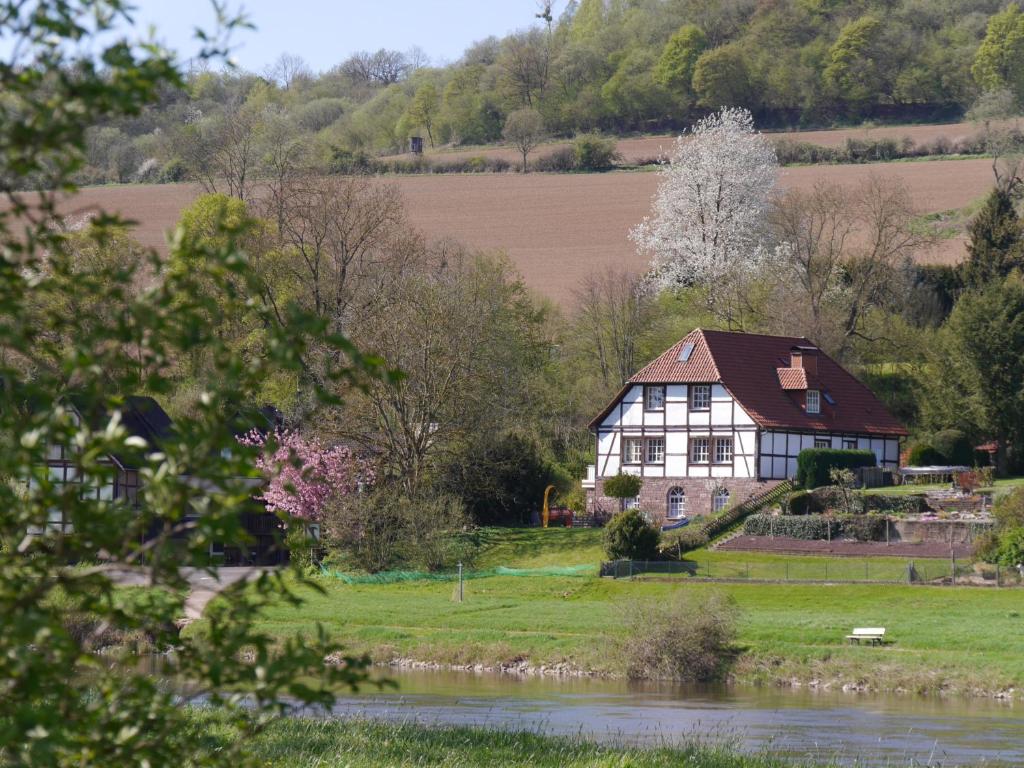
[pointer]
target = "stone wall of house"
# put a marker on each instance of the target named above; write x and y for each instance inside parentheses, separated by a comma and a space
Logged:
(699, 495)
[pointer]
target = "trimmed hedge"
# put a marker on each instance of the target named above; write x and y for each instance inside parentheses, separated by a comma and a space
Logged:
(817, 527)
(813, 465)
(954, 446)
(925, 455)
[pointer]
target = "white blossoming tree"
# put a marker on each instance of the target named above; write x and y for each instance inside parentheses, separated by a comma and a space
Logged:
(708, 213)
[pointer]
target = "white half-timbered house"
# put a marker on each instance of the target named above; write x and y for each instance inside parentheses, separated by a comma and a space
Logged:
(721, 416)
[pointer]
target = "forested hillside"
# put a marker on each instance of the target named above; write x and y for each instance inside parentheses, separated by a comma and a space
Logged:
(615, 66)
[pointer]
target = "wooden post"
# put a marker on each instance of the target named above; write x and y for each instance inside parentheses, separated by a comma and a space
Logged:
(460, 583)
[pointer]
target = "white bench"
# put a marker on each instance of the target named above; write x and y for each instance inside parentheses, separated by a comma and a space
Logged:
(873, 635)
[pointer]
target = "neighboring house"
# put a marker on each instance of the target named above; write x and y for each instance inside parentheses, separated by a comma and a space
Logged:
(721, 416)
(141, 417)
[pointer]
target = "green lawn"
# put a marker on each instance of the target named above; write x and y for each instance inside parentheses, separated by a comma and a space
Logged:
(944, 638)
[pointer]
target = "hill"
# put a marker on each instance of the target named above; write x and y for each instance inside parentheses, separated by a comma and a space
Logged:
(616, 67)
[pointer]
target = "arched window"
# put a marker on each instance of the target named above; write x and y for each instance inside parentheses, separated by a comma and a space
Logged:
(676, 503)
(721, 499)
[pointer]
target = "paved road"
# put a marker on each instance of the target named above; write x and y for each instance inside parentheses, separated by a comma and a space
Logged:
(204, 586)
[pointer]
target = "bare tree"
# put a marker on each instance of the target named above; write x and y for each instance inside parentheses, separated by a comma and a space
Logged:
(342, 237)
(843, 252)
(614, 311)
(383, 67)
(288, 70)
(220, 152)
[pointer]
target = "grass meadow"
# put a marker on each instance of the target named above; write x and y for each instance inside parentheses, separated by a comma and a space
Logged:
(943, 639)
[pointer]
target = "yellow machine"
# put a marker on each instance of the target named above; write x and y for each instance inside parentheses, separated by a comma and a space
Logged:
(547, 511)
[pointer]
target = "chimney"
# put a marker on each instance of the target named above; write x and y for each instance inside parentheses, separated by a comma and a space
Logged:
(806, 358)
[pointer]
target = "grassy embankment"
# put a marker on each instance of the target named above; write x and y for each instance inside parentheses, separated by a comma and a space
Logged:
(298, 743)
(944, 639)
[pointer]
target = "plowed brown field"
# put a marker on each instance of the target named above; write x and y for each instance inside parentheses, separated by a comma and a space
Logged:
(557, 228)
(644, 148)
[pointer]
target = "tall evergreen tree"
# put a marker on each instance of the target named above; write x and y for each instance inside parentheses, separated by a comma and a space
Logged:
(996, 244)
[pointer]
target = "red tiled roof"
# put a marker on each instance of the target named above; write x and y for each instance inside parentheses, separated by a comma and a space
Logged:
(669, 369)
(751, 367)
(792, 378)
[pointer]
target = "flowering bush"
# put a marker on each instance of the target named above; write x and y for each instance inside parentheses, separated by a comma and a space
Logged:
(303, 475)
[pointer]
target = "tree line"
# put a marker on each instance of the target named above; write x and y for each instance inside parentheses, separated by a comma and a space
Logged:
(614, 66)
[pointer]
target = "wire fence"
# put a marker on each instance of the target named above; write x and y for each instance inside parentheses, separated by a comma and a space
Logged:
(836, 570)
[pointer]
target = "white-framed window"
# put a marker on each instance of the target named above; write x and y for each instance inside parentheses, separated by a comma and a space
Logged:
(723, 450)
(700, 397)
(721, 500)
(676, 503)
(813, 401)
(654, 397)
(822, 442)
(656, 450)
(699, 450)
(849, 443)
(633, 450)
(633, 503)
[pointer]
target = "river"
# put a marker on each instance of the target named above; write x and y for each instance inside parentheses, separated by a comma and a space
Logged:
(850, 728)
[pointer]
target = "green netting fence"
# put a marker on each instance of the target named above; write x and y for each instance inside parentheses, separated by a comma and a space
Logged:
(393, 577)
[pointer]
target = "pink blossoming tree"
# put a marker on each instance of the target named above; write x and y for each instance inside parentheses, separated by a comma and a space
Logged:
(303, 475)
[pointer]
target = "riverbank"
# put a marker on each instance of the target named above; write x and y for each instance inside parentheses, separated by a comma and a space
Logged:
(309, 743)
(951, 641)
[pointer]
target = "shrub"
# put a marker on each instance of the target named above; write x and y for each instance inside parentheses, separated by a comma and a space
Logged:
(622, 486)
(1011, 546)
(687, 638)
(815, 464)
(629, 536)
(433, 533)
(593, 152)
(559, 160)
(386, 529)
(925, 455)
(986, 547)
(954, 447)
(797, 503)
(1009, 510)
(791, 152)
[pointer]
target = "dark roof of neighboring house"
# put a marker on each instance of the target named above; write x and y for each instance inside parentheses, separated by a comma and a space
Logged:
(141, 415)
(749, 366)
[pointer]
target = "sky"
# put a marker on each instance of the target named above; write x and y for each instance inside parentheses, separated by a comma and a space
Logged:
(325, 33)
